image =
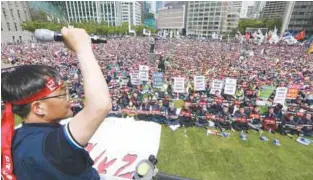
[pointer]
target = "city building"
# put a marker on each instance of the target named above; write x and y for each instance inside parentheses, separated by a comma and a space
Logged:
(243, 12)
(172, 19)
(99, 11)
(257, 8)
(13, 14)
(206, 17)
(53, 9)
(159, 5)
(273, 9)
(233, 15)
(131, 12)
(298, 16)
(250, 12)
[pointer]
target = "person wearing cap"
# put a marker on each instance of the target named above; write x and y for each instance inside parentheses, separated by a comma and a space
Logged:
(306, 123)
(42, 148)
(269, 122)
(223, 120)
(289, 125)
(255, 119)
(240, 119)
(116, 110)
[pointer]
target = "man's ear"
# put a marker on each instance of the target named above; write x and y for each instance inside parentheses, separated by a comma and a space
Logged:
(38, 108)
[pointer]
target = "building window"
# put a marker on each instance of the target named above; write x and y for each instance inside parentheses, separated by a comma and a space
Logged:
(20, 38)
(8, 25)
(3, 11)
(18, 14)
(13, 38)
(11, 10)
(15, 26)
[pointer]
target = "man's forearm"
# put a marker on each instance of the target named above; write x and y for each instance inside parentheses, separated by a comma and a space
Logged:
(95, 86)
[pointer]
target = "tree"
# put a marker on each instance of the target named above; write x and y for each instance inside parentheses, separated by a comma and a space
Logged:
(258, 23)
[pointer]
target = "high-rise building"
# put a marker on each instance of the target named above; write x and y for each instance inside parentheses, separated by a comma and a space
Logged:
(233, 15)
(257, 8)
(13, 14)
(250, 12)
(298, 16)
(159, 5)
(99, 11)
(243, 12)
(274, 9)
(206, 17)
(131, 12)
(172, 19)
(53, 9)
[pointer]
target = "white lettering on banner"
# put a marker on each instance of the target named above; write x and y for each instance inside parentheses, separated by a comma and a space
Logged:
(281, 94)
(199, 83)
(119, 145)
(217, 85)
(143, 73)
(134, 79)
(179, 85)
(230, 86)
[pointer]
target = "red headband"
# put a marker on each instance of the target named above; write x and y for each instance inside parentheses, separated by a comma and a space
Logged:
(7, 126)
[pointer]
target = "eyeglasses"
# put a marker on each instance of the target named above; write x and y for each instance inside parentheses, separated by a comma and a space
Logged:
(57, 96)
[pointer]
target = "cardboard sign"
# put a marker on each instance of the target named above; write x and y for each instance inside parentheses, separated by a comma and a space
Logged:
(281, 93)
(199, 83)
(230, 86)
(179, 85)
(158, 79)
(143, 73)
(217, 85)
(266, 92)
(134, 79)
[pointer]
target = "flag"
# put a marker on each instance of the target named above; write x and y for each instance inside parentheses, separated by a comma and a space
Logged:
(310, 41)
(300, 36)
(311, 48)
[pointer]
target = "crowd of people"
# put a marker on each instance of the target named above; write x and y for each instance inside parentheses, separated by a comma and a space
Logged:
(253, 66)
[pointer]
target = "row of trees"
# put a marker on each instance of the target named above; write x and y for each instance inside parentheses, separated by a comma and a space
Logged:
(258, 23)
(91, 27)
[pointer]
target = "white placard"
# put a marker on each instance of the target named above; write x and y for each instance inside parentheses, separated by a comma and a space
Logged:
(230, 86)
(281, 94)
(217, 85)
(134, 79)
(143, 73)
(199, 83)
(179, 85)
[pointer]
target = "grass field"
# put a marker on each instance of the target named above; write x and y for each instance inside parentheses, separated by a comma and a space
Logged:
(215, 158)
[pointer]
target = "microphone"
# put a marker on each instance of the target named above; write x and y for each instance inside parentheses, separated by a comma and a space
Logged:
(47, 35)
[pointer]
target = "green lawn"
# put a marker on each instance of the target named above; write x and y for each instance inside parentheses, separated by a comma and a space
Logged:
(215, 158)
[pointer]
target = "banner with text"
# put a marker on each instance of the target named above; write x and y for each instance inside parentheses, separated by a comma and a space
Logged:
(217, 86)
(179, 85)
(293, 91)
(143, 73)
(199, 83)
(281, 94)
(157, 79)
(134, 79)
(266, 92)
(230, 86)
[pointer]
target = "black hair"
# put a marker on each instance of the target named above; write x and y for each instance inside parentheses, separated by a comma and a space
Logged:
(22, 82)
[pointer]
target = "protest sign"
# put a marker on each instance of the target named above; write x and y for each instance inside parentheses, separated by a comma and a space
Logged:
(158, 79)
(134, 79)
(266, 92)
(144, 73)
(293, 91)
(199, 83)
(179, 85)
(230, 86)
(217, 86)
(281, 93)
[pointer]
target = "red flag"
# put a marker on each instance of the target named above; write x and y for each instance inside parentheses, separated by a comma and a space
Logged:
(300, 35)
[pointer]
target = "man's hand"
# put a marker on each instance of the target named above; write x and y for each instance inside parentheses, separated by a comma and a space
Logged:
(76, 39)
